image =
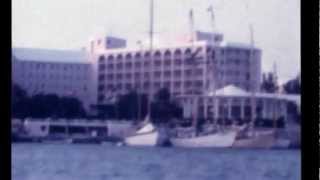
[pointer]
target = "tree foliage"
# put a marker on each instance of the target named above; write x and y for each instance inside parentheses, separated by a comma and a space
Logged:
(269, 83)
(44, 105)
(126, 107)
(163, 109)
(292, 86)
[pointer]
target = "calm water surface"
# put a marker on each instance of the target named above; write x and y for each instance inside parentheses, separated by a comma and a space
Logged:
(107, 162)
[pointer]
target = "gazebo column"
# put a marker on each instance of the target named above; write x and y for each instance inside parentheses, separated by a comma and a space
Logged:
(284, 110)
(205, 107)
(242, 105)
(216, 108)
(264, 108)
(229, 108)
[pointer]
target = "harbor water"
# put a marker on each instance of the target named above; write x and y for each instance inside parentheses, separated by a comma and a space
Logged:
(108, 162)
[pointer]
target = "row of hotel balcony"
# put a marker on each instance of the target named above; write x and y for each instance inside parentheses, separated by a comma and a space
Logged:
(156, 54)
(137, 64)
(110, 86)
(53, 66)
(167, 63)
(177, 55)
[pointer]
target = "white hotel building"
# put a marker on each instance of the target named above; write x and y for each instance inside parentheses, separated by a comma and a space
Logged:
(60, 72)
(121, 69)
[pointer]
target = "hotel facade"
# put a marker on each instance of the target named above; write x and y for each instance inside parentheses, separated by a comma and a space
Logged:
(183, 68)
(60, 72)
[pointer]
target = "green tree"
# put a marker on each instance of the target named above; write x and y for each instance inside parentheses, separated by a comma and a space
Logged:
(292, 86)
(269, 83)
(163, 109)
(19, 102)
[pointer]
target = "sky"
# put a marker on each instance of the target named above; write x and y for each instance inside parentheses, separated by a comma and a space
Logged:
(62, 24)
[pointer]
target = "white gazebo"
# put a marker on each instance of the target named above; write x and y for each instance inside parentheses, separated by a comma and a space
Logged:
(231, 102)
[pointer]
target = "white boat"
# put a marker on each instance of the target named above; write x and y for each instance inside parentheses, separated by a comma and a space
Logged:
(146, 136)
(219, 139)
(261, 139)
(282, 143)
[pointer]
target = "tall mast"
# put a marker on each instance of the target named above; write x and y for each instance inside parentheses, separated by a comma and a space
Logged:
(211, 74)
(210, 10)
(253, 99)
(191, 26)
(151, 54)
(275, 78)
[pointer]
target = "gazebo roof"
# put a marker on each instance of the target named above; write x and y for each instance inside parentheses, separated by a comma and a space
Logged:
(229, 90)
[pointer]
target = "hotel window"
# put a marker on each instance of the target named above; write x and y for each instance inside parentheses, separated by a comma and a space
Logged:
(167, 84)
(178, 62)
(128, 86)
(137, 64)
(157, 63)
(128, 65)
(157, 74)
(188, 72)
(101, 77)
(146, 75)
(247, 76)
(137, 75)
(146, 64)
(167, 73)
(177, 73)
(102, 67)
(128, 75)
(157, 84)
(100, 98)
(110, 66)
(167, 62)
(146, 84)
(100, 87)
(119, 66)
(199, 83)
(101, 59)
(119, 86)
(199, 71)
(119, 76)
(177, 84)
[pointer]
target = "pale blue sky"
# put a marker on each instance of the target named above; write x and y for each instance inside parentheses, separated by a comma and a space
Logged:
(68, 24)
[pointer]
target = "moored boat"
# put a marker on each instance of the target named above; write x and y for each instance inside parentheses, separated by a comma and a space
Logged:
(263, 139)
(145, 136)
(218, 139)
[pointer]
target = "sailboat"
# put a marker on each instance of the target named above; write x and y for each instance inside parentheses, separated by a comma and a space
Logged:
(216, 138)
(147, 135)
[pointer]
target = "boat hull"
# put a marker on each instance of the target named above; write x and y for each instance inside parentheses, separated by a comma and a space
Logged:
(219, 139)
(264, 140)
(147, 139)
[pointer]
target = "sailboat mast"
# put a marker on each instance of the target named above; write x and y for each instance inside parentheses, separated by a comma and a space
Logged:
(195, 102)
(253, 88)
(151, 53)
(211, 81)
(191, 26)
(253, 100)
(275, 78)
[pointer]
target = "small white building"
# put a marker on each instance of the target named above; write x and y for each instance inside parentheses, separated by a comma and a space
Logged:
(234, 103)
